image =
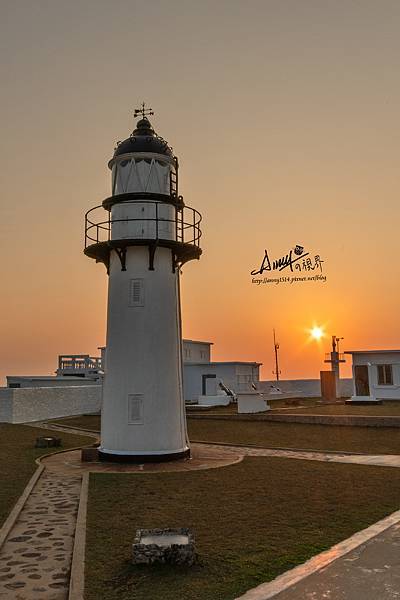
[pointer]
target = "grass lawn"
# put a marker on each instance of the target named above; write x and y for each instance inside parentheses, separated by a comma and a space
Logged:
(369, 440)
(267, 434)
(386, 409)
(252, 521)
(17, 459)
(91, 422)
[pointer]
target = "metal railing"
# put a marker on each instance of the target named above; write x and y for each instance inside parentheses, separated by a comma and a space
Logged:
(78, 362)
(186, 223)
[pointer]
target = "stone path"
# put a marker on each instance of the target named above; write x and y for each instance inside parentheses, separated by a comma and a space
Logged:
(35, 560)
(381, 460)
(203, 457)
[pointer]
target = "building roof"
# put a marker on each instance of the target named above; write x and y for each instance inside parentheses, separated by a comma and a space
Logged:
(371, 351)
(198, 342)
(143, 139)
(48, 377)
(224, 362)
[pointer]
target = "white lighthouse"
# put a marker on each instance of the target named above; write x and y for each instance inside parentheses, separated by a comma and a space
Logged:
(143, 233)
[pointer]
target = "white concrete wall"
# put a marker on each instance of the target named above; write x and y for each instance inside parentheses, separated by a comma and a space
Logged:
(143, 409)
(372, 360)
(252, 402)
(195, 352)
(6, 403)
(236, 376)
(217, 400)
(50, 381)
(24, 405)
(304, 388)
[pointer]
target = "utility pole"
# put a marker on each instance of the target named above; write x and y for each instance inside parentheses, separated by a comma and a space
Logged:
(276, 348)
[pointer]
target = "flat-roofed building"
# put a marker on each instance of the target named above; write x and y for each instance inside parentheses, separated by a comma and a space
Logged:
(202, 376)
(376, 375)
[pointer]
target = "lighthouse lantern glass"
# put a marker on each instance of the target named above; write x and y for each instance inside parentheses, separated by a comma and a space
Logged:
(138, 173)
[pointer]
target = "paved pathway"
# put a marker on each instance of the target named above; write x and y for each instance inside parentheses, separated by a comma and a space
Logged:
(36, 557)
(203, 457)
(363, 567)
(381, 460)
(370, 572)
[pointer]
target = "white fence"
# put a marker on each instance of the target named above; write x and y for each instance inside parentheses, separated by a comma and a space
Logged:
(24, 405)
(304, 388)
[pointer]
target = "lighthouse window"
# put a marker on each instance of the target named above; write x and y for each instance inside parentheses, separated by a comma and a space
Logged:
(136, 292)
(135, 409)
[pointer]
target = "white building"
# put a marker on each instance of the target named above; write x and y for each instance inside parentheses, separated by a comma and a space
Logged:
(73, 370)
(376, 375)
(203, 376)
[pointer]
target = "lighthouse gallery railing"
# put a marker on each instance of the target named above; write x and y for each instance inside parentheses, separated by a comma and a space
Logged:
(186, 224)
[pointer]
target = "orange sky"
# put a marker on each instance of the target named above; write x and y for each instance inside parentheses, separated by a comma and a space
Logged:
(284, 116)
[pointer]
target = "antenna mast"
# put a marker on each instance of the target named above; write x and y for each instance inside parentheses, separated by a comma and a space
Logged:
(277, 372)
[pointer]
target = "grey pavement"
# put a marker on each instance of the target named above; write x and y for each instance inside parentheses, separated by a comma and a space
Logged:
(370, 572)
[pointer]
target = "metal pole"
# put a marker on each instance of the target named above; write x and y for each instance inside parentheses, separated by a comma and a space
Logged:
(276, 348)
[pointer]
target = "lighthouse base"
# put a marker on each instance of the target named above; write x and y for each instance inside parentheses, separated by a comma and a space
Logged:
(109, 456)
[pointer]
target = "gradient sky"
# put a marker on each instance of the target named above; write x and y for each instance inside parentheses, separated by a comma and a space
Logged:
(284, 115)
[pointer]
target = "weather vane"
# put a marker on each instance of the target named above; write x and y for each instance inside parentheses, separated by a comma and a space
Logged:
(145, 112)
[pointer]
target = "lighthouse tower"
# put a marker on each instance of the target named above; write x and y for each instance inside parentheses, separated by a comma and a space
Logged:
(143, 233)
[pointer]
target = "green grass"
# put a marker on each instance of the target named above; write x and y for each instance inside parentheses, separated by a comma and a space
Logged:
(17, 459)
(286, 402)
(91, 422)
(386, 409)
(267, 434)
(368, 440)
(252, 521)
(195, 409)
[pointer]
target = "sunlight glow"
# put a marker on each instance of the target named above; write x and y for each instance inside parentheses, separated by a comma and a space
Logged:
(317, 333)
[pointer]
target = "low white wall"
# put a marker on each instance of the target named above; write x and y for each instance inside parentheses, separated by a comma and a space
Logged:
(23, 405)
(252, 402)
(217, 400)
(304, 388)
(6, 398)
(51, 381)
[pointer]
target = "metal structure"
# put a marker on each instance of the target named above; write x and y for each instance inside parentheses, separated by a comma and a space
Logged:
(277, 372)
(78, 365)
(334, 358)
(149, 231)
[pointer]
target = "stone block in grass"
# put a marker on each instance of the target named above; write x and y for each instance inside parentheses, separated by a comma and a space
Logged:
(171, 546)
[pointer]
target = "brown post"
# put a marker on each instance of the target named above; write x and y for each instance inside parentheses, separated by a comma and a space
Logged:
(328, 386)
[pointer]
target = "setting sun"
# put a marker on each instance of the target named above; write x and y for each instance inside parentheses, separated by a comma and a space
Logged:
(317, 333)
